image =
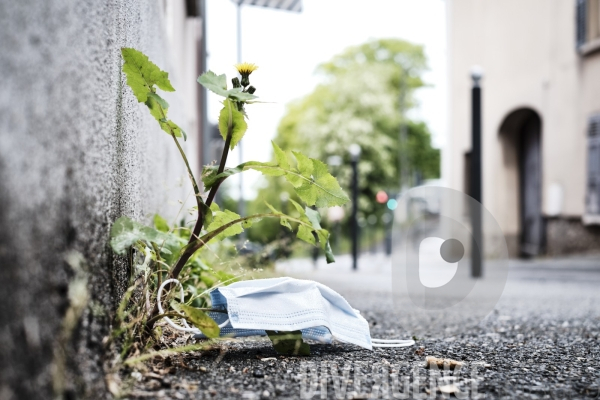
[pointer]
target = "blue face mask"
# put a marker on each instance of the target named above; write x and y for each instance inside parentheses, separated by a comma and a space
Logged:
(287, 304)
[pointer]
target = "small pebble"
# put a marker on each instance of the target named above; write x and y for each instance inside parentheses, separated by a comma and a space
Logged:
(258, 373)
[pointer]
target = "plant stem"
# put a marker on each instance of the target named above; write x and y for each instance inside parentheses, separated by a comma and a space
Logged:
(200, 221)
(190, 173)
(183, 259)
(185, 160)
(201, 241)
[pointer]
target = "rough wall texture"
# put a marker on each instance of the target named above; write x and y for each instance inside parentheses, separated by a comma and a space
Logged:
(76, 152)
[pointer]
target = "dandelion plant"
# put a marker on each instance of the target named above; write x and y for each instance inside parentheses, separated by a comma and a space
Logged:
(172, 251)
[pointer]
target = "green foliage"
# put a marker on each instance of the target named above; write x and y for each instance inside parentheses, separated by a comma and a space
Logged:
(218, 85)
(143, 74)
(359, 102)
(198, 318)
(232, 120)
(289, 343)
(310, 179)
(125, 232)
(160, 223)
(180, 251)
(142, 77)
(220, 218)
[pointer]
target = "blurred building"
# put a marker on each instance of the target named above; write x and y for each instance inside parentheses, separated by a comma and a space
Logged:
(541, 118)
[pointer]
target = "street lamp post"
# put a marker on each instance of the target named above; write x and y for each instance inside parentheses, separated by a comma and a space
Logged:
(354, 157)
(477, 245)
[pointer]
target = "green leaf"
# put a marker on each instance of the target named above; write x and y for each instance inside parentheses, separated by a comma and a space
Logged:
(237, 94)
(289, 343)
(163, 103)
(280, 156)
(305, 164)
(208, 215)
(198, 318)
(215, 83)
(327, 249)
(125, 232)
(282, 220)
(156, 110)
(322, 189)
(304, 233)
(311, 180)
(142, 74)
(298, 207)
(160, 223)
(171, 128)
(314, 217)
(221, 218)
(231, 117)
(218, 85)
(209, 176)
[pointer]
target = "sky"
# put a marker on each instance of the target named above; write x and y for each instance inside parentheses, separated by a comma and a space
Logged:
(288, 47)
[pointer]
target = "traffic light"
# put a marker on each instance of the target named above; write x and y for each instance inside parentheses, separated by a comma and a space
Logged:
(392, 204)
(381, 197)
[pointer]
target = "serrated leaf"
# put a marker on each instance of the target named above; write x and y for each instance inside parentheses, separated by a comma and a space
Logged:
(142, 74)
(289, 343)
(314, 186)
(322, 189)
(215, 83)
(221, 218)
(160, 223)
(280, 156)
(198, 318)
(232, 119)
(305, 164)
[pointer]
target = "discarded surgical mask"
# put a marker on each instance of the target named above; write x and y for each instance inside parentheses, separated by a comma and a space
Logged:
(286, 304)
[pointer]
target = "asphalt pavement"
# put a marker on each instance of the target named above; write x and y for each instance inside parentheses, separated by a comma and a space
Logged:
(540, 341)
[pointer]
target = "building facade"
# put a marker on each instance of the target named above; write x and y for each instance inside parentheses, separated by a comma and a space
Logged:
(541, 118)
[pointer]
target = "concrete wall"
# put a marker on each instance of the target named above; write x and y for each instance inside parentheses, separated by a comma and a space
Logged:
(76, 152)
(527, 50)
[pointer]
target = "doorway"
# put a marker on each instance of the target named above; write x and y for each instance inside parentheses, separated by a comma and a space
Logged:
(530, 193)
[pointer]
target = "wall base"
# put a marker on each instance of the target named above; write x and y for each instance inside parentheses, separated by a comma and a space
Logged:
(569, 235)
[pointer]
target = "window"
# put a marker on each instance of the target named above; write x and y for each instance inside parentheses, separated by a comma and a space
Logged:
(587, 25)
(593, 181)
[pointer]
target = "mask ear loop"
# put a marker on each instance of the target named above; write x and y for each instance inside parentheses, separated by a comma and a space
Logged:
(186, 327)
(392, 342)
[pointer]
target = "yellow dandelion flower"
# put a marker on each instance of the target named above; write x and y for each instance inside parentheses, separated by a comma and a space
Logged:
(246, 69)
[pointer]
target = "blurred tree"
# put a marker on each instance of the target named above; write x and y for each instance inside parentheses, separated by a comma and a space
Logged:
(359, 101)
